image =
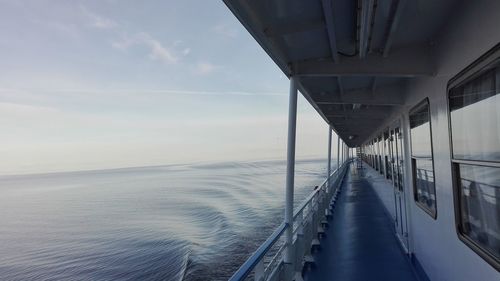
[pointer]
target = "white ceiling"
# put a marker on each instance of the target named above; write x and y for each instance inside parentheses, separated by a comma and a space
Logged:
(352, 59)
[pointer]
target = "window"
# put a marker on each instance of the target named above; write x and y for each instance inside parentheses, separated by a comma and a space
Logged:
(372, 153)
(387, 149)
(392, 158)
(422, 158)
(396, 158)
(380, 147)
(400, 157)
(474, 103)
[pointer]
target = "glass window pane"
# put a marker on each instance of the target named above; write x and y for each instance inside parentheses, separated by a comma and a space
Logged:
(422, 158)
(400, 159)
(424, 184)
(475, 118)
(480, 206)
(420, 132)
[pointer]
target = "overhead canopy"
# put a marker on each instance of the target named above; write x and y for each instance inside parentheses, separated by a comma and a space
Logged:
(351, 59)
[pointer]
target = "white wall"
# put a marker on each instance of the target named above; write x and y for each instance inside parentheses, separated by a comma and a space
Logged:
(472, 31)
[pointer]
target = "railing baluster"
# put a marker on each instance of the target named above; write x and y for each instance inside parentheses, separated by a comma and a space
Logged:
(299, 243)
(307, 218)
(259, 271)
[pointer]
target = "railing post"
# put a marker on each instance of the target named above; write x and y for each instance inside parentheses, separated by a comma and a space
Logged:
(338, 152)
(299, 244)
(259, 271)
(328, 183)
(290, 173)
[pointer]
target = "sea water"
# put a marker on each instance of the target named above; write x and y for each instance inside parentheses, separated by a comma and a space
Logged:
(176, 222)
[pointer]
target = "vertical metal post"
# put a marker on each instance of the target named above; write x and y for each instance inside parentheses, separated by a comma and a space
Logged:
(329, 158)
(407, 177)
(290, 174)
(338, 151)
(384, 153)
(343, 153)
(259, 271)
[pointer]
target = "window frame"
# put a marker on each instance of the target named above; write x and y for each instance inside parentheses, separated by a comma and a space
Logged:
(433, 215)
(469, 73)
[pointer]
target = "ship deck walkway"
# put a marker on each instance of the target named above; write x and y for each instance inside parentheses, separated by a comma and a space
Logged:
(360, 243)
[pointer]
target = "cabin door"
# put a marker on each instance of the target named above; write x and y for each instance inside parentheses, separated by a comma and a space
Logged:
(397, 167)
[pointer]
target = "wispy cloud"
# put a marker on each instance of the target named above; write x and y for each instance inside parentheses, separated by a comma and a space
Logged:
(124, 42)
(157, 51)
(98, 21)
(138, 92)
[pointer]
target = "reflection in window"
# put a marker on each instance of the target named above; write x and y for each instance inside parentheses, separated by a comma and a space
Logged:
(422, 161)
(387, 155)
(380, 151)
(400, 159)
(475, 123)
(475, 118)
(480, 200)
(425, 192)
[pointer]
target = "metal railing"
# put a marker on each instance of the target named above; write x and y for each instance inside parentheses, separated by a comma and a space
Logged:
(266, 263)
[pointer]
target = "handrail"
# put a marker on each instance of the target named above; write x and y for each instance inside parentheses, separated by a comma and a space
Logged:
(480, 183)
(255, 258)
(310, 196)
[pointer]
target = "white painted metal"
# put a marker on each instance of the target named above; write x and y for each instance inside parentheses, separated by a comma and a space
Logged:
(366, 14)
(406, 62)
(307, 219)
(290, 174)
(463, 35)
(259, 271)
(329, 170)
(407, 181)
(341, 152)
(384, 154)
(435, 243)
(330, 27)
(394, 22)
(338, 151)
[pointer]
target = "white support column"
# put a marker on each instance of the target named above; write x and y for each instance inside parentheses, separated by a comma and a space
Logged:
(329, 156)
(290, 176)
(343, 152)
(338, 151)
(384, 153)
(408, 178)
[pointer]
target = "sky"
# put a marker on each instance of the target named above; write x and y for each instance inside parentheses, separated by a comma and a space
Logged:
(107, 84)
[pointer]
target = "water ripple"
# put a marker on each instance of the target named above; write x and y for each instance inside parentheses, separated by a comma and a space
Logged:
(178, 222)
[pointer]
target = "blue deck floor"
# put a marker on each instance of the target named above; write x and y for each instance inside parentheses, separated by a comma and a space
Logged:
(360, 243)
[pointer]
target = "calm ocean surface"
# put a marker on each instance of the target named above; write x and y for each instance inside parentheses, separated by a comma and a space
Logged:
(179, 222)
